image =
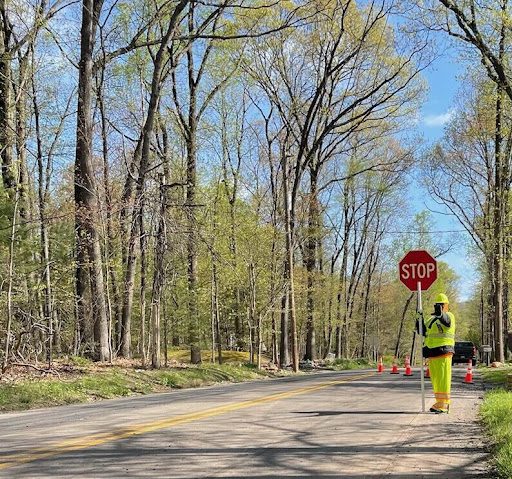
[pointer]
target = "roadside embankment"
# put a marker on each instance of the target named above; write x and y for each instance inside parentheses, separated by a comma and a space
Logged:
(77, 380)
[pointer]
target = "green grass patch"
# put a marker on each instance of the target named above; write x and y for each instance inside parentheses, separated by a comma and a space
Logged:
(344, 364)
(495, 414)
(79, 361)
(52, 392)
(496, 417)
(496, 376)
(30, 394)
(118, 382)
(183, 356)
(206, 374)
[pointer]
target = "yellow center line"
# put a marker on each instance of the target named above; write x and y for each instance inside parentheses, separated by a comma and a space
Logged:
(84, 442)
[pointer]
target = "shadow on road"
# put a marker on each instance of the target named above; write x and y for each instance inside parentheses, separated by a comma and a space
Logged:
(338, 413)
(136, 460)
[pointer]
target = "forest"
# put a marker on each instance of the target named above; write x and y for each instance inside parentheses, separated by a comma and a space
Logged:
(217, 175)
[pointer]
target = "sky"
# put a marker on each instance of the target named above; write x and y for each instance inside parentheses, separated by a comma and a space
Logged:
(435, 114)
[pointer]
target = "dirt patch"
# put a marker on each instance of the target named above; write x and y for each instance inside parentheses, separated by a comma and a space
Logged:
(66, 369)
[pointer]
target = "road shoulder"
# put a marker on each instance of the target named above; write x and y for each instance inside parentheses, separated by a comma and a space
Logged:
(451, 446)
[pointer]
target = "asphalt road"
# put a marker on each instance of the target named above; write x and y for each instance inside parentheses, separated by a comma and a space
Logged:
(353, 424)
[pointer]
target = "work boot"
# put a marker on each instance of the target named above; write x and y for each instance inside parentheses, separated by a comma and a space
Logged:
(439, 409)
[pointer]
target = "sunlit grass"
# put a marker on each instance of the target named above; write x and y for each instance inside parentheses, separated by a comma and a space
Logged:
(345, 364)
(183, 356)
(495, 414)
(496, 376)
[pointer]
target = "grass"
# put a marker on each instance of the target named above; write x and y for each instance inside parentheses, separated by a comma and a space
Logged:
(28, 394)
(92, 382)
(496, 376)
(496, 417)
(183, 355)
(344, 364)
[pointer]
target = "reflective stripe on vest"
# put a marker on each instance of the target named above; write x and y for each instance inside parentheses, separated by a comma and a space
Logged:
(442, 335)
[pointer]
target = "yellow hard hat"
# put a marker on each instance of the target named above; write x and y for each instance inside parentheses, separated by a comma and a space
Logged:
(442, 298)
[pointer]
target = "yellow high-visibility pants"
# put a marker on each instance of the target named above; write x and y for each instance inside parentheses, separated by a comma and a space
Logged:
(441, 378)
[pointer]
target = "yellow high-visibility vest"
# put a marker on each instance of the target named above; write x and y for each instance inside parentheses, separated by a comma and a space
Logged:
(437, 334)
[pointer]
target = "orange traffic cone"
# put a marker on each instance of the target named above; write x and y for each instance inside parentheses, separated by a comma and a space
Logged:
(380, 366)
(394, 369)
(408, 370)
(469, 373)
(427, 371)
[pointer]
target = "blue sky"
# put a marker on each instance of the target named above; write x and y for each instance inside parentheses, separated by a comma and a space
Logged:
(436, 112)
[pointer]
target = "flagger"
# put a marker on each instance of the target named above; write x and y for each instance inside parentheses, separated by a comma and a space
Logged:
(438, 347)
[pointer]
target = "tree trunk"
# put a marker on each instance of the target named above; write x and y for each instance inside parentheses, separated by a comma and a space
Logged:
(289, 269)
(6, 101)
(215, 314)
(159, 275)
(402, 321)
(26, 206)
(310, 255)
(193, 312)
(190, 204)
(284, 348)
(110, 256)
(10, 283)
(328, 339)
(499, 227)
(253, 323)
(129, 284)
(141, 158)
(143, 274)
(273, 279)
(43, 189)
(86, 216)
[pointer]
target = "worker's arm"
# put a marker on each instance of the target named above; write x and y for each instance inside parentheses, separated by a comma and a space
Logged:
(443, 318)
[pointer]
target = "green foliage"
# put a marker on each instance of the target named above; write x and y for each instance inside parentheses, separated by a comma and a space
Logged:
(469, 322)
(6, 214)
(234, 234)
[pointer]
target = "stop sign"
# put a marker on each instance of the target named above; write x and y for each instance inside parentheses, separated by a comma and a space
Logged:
(417, 267)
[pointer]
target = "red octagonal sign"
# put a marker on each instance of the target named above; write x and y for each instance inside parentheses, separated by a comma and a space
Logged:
(418, 267)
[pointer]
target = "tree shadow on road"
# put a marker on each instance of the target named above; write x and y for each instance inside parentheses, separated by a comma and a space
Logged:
(338, 413)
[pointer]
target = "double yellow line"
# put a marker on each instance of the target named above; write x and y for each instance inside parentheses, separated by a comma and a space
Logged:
(92, 440)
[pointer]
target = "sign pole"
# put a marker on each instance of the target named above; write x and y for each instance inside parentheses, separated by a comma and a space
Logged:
(418, 270)
(422, 378)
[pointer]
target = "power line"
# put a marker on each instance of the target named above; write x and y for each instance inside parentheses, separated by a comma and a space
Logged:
(391, 232)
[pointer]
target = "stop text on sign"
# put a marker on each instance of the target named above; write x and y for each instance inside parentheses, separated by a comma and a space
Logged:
(417, 271)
